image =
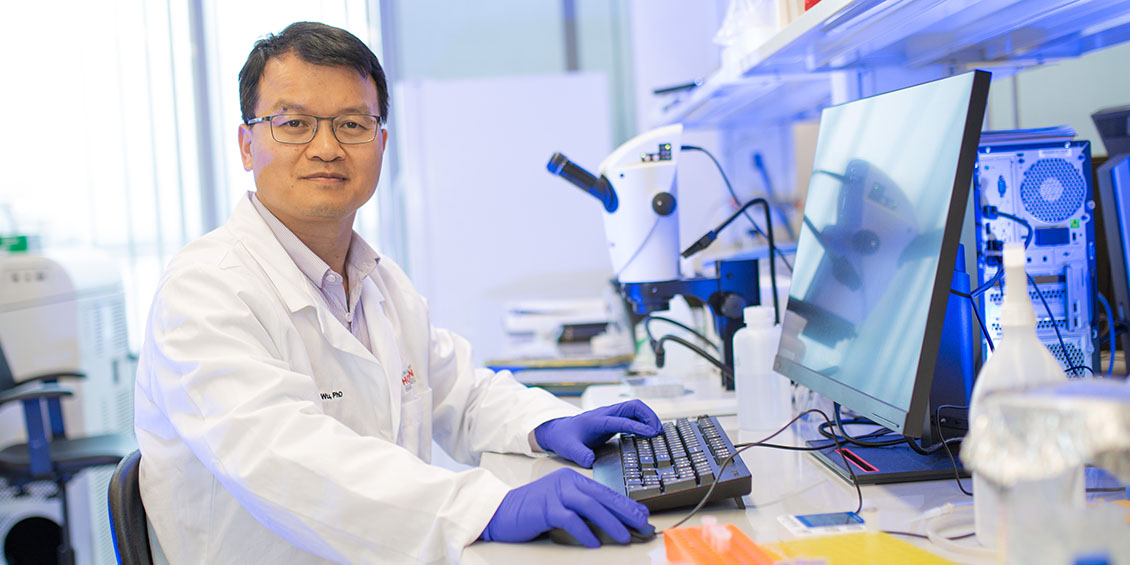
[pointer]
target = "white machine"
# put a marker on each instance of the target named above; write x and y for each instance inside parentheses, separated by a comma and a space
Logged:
(640, 217)
(637, 188)
(65, 311)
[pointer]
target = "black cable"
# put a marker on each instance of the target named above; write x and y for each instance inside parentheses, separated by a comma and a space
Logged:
(910, 534)
(861, 440)
(991, 210)
(855, 441)
(759, 164)
(945, 443)
(657, 347)
(917, 448)
(1021, 221)
(1055, 326)
(981, 322)
(824, 429)
(777, 446)
(924, 536)
(734, 195)
(737, 451)
(704, 241)
(993, 280)
(647, 319)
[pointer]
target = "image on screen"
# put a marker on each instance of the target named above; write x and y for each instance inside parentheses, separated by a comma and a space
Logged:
(867, 265)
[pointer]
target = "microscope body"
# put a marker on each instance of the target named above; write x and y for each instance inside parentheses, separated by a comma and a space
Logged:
(637, 188)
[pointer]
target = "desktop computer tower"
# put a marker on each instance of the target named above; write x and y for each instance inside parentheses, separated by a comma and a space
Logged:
(1047, 185)
(65, 312)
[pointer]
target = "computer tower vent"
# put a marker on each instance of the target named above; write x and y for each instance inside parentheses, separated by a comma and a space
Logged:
(1052, 190)
(1075, 357)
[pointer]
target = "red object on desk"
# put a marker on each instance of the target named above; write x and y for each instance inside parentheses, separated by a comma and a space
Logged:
(810, 3)
(690, 545)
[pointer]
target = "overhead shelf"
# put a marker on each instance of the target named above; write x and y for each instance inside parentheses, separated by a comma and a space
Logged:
(786, 77)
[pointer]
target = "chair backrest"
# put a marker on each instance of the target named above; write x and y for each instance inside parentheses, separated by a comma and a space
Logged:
(127, 514)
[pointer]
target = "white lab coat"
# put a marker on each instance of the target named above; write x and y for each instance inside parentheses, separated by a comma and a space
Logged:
(269, 434)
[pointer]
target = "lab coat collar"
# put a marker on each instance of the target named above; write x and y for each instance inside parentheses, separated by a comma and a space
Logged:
(294, 287)
(257, 237)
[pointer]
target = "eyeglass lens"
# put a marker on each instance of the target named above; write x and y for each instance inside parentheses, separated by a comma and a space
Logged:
(347, 128)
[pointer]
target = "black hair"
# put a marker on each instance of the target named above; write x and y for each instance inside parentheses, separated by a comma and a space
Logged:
(315, 43)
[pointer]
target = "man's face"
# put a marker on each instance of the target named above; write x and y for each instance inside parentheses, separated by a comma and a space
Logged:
(323, 180)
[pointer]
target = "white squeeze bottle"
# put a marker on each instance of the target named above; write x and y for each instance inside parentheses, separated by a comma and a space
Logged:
(1019, 360)
(764, 397)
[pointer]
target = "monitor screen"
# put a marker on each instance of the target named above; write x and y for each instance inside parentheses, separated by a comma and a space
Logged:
(875, 257)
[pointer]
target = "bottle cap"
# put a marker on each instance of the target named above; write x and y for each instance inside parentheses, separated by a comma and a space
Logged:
(758, 316)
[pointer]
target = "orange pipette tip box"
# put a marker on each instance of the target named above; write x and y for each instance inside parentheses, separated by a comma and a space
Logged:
(690, 545)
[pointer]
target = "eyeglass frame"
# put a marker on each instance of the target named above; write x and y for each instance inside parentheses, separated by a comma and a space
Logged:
(317, 120)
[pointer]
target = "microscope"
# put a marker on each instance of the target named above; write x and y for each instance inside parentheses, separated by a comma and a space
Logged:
(637, 190)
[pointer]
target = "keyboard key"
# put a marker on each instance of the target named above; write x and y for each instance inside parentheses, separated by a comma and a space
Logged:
(676, 484)
(640, 492)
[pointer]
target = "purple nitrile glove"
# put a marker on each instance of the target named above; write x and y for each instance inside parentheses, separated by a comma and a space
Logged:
(564, 499)
(574, 437)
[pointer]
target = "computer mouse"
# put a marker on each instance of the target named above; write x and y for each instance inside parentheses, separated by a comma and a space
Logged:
(563, 537)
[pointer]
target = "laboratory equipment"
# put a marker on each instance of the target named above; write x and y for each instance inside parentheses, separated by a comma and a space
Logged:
(1114, 204)
(637, 189)
(65, 311)
(870, 307)
(764, 397)
(675, 468)
(1020, 360)
(822, 524)
(1031, 443)
(1040, 194)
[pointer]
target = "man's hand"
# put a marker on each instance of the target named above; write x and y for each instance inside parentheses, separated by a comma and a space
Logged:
(574, 437)
(564, 499)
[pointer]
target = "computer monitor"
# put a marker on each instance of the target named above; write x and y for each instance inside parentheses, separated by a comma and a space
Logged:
(1113, 178)
(875, 259)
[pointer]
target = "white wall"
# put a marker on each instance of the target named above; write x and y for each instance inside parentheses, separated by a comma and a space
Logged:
(444, 39)
(1064, 92)
(486, 222)
(672, 43)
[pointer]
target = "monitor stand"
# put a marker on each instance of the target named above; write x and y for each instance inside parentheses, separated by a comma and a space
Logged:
(951, 385)
(882, 465)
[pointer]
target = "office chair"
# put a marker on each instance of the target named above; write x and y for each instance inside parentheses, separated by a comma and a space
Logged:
(127, 514)
(55, 458)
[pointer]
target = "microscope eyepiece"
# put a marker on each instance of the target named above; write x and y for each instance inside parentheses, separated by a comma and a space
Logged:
(561, 166)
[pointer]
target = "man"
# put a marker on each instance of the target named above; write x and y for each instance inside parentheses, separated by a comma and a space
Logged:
(291, 383)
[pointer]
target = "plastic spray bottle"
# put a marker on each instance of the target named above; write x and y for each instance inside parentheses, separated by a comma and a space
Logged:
(1019, 360)
(764, 397)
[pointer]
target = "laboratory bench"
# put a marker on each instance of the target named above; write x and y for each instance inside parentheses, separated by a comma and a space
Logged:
(784, 482)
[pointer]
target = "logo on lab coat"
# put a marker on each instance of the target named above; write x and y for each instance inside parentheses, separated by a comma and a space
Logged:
(407, 379)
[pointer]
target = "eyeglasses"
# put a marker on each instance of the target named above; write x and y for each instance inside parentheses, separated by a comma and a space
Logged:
(301, 128)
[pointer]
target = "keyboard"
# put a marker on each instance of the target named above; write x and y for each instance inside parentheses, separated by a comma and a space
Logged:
(675, 468)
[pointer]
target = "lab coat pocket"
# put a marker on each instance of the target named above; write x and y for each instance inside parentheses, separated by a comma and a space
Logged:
(416, 424)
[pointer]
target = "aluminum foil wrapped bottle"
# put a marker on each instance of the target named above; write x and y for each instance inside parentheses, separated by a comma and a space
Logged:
(1019, 360)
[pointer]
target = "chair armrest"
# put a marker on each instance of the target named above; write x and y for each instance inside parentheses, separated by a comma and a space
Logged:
(29, 391)
(54, 376)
